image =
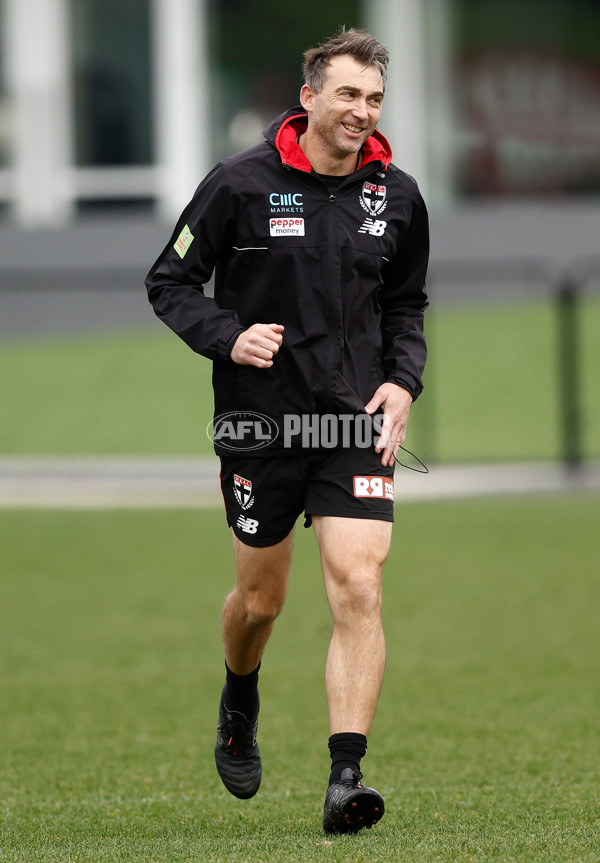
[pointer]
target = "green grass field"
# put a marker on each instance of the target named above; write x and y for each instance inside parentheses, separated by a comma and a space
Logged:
(486, 740)
(492, 389)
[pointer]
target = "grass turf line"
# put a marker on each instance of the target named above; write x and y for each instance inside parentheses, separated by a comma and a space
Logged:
(485, 744)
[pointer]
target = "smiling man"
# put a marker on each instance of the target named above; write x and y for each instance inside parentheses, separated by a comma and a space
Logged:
(319, 245)
(343, 107)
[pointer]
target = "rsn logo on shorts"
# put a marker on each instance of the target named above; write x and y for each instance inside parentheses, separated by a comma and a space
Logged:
(374, 486)
(248, 525)
(286, 227)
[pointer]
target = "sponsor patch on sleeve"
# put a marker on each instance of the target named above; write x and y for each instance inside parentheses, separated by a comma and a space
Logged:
(183, 242)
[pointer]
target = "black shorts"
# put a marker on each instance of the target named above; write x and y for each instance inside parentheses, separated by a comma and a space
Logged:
(264, 497)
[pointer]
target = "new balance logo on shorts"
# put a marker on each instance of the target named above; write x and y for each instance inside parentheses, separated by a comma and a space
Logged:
(248, 525)
(374, 486)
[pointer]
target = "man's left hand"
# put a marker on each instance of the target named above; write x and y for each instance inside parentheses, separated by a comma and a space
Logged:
(396, 403)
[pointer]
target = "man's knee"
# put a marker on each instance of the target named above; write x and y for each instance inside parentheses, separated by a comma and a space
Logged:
(354, 590)
(262, 580)
(357, 574)
(261, 607)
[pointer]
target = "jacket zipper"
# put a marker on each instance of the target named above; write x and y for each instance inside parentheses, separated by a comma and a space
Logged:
(335, 308)
(331, 293)
(332, 303)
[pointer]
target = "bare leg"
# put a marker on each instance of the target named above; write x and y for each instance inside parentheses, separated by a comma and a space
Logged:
(248, 616)
(353, 552)
(256, 600)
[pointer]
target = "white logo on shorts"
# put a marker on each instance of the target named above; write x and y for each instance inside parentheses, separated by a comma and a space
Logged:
(374, 486)
(248, 525)
(242, 488)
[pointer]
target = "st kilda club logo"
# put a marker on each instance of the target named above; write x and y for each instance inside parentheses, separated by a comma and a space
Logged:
(373, 198)
(243, 491)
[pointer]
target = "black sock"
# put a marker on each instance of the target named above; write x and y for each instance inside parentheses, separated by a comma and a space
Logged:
(346, 751)
(240, 692)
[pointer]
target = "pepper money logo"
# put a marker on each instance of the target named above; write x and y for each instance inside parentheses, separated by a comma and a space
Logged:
(286, 227)
(242, 431)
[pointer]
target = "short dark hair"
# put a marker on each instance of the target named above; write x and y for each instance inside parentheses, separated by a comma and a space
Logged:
(353, 42)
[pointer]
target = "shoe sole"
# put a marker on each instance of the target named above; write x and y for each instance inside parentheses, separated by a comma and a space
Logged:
(363, 810)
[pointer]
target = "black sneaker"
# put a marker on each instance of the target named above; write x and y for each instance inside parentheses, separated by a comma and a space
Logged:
(349, 806)
(237, 755)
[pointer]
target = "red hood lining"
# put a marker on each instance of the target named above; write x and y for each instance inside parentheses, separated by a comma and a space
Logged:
(375, 148)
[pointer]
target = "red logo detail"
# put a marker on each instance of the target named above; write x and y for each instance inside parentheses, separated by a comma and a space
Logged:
(374, 486)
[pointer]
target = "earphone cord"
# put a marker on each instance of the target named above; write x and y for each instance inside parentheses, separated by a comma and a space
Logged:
(424, 467)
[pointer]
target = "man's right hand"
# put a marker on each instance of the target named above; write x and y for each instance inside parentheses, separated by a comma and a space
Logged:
(257, 345)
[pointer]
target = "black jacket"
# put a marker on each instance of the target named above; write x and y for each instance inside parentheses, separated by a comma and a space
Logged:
(343, 271)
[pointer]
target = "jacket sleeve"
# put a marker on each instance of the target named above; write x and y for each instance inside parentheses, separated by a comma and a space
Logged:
(176, 281)
(403, 300)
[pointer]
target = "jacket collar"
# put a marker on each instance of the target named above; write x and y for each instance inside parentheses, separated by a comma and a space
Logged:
(283, 135)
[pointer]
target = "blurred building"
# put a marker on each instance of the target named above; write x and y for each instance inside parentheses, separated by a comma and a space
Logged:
(128, 103)
(111, 111)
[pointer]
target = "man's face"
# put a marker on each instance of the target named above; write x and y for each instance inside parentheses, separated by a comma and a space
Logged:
(347, 109)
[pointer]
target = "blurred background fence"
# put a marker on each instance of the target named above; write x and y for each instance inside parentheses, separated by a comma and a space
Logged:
(514, 365)
(512, 375)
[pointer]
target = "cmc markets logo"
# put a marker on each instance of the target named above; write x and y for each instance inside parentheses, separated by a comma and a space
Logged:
(286, 202)
(242, 430)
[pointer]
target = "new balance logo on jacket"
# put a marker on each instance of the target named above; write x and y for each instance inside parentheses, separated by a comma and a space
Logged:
(373, 227)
